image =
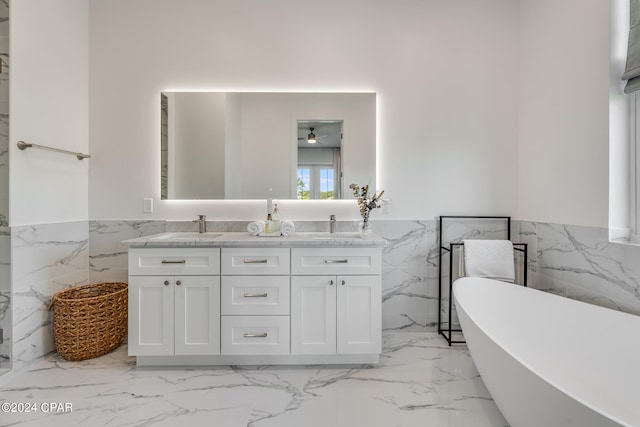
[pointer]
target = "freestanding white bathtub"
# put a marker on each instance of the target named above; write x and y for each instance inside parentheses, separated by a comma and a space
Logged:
(548, 360)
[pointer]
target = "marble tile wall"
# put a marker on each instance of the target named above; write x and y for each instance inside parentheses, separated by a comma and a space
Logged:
(5, 297)
(46, 259)
(581, 263)
(107, 255)
(578, 262)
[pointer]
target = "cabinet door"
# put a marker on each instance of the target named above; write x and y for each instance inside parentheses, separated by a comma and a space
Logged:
(197, 315)
(313, 314)
(150, 315)
(359, 306)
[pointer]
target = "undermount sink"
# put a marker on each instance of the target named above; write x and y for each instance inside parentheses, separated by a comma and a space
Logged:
(325, 235)
(186, 235)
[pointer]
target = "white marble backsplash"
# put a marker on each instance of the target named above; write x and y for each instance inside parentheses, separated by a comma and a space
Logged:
(107, 255)
(409, 270)
(581, 263)
(46, 259)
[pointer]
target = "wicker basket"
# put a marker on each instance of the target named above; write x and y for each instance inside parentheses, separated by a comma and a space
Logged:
(90, 320)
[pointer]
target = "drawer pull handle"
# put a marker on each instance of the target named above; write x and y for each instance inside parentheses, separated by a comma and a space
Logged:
(164, 261)
(263, 335)
(330, 282)
(178, 282)
(255, 261)
(336, 261)
(255, 295)
(166, 283)
(343, 283)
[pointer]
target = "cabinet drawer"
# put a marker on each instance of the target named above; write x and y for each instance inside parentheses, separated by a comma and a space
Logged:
(313, 261)
(255, 295)
(249, 261)
(254, 335)
(174, 261)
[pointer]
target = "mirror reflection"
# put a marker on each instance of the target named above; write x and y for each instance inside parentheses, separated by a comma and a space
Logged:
(319, 171)
(257, 145)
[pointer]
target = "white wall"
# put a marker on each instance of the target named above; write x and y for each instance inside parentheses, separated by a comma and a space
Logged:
(49, 106)
(446, 75)
(563, 112)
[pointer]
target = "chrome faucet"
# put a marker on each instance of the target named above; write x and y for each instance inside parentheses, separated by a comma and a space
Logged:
(202, 223)
(332, 224)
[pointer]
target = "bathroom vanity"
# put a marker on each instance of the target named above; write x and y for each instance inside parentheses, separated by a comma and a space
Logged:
(233, 298)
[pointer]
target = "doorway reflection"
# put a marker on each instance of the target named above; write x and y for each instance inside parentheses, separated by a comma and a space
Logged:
(319, 169)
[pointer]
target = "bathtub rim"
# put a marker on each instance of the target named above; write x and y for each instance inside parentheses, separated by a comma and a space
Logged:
(458, 284)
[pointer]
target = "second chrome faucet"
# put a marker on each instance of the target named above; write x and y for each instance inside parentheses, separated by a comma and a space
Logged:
(202, 223)
(332, 224)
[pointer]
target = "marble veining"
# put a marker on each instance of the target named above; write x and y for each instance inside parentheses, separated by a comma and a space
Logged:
(107, 254)
(408, 265)
(581, 263)
(244, 239)
(47, 258)
(419, 381)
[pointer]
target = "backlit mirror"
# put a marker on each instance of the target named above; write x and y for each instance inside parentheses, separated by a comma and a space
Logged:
(257, 145)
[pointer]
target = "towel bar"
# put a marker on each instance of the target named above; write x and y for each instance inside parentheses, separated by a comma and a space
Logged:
(24, 145)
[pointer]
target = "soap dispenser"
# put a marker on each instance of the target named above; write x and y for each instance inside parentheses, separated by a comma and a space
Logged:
(269, 223)
(276, 224)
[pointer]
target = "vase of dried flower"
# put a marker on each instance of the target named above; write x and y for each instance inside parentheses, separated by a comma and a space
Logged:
(364, 228)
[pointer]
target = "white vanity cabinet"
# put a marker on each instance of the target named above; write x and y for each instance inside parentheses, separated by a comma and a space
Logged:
(236, 299)
(174, 301)
(336, 314)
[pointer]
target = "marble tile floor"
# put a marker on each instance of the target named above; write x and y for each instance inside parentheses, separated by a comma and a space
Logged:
(420, 381)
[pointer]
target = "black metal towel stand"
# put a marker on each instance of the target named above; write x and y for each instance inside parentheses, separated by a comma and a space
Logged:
(447, 332)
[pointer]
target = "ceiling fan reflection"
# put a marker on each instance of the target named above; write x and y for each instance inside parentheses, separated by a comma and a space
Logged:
(312, 138)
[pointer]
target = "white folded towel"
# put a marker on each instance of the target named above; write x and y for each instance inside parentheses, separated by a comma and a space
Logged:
(287, 227)
(255, 228)
(489, 258)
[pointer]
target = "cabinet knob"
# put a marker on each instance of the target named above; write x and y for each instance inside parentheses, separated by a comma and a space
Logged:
(178, 282)
(330, 282)
(343, 282)
(166, 283)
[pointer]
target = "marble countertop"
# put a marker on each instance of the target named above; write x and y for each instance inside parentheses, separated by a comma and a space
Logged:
(244, 239)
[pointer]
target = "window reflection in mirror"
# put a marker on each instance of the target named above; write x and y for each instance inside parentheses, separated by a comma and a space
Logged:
(319, 173)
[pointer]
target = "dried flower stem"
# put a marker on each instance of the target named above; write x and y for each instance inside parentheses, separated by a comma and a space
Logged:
(366, 203)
